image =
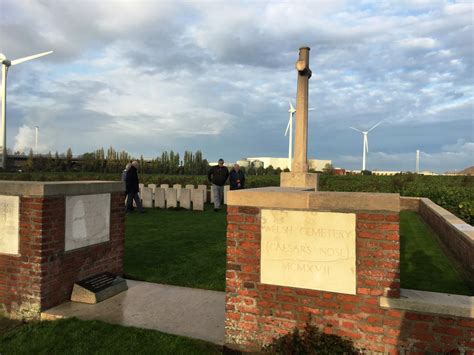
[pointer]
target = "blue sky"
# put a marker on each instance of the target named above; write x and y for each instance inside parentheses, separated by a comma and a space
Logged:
(148, 76)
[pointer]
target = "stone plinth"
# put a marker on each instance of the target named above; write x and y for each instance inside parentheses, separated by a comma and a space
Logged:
(301, 180)
(294, 253)
(185, 199)
(160, 197)
(68, 231)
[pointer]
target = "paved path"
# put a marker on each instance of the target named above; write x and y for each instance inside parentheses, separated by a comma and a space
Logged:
(176, 310)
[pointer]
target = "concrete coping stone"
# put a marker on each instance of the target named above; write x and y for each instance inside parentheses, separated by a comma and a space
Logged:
(54, 188)
(303, 198)
(431, 302)
(456, 223)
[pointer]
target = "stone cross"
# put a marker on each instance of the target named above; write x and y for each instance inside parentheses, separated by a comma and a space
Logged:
(300, 162)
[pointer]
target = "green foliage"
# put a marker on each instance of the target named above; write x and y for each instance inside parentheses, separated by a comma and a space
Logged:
(310, 341)
(454, 193)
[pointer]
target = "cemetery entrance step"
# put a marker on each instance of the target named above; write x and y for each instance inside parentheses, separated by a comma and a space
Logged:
(175, 310)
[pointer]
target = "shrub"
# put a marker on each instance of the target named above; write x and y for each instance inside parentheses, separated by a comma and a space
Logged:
(310, 341)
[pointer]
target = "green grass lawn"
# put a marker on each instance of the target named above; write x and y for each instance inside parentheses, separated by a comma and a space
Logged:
(423, 263)
(73, 336)
(187, 248)
(177, 247)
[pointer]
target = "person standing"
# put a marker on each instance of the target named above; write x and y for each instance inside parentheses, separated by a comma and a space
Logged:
(132, 188)
(217, 176)
(237, 178)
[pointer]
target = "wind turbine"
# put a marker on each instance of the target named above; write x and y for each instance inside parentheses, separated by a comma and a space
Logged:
(6, 63)
(292, 112)
(365, 147)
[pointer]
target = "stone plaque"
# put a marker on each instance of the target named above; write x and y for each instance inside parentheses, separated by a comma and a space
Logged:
(98, 288)
(312, 250)
(9, 224)
(87, 220)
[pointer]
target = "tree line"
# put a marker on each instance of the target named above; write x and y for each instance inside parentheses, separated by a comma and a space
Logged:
(113, 161)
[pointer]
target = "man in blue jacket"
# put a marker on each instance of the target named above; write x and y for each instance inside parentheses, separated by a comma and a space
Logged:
(217, 176)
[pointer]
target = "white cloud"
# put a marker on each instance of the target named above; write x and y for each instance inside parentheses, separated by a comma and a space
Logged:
(153, 75)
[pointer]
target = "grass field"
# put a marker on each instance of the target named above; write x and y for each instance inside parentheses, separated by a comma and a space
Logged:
(177, 247)
(423, 263)
(73, 336)
(187, 248)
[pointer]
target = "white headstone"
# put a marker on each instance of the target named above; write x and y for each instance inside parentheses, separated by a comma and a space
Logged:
(226, 190)
(204, 191)
(185, 199)
(212, 196)
(140, 187)
(164, 186)
(147, 197)
(9, 224)
(160, 200)
(171, 198)
(152, 187)
(178, 190)
(198, 199)
(87, 220)
(190, 187)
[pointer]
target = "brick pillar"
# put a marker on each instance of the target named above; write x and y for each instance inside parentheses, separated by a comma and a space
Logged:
(42, 274)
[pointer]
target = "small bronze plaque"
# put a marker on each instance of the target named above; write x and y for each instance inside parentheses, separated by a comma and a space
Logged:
(98, 282)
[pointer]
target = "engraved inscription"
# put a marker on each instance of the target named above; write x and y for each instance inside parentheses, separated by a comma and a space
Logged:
(87, 220)
(313, 250)
(9, 224)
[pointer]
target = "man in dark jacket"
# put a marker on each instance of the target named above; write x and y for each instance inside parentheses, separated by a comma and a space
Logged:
(237, 178)
(132, 188)
(218, 175)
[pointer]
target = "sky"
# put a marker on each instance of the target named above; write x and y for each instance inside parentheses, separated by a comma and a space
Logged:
(217, 76)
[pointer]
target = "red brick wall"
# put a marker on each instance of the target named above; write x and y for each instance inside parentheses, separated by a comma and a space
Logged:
(458, 244)
(43, 275)
(255, 312)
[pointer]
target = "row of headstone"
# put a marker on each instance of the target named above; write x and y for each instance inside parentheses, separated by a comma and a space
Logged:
(168, 197)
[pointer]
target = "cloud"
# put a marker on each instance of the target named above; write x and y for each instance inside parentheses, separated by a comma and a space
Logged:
(216, 76)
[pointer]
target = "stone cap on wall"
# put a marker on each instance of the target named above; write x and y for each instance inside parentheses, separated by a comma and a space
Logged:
(55, 188)
(431, 302)
(300, 198)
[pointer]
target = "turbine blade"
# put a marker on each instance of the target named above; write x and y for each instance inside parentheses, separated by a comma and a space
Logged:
(292, 109)
(376, 125)
(25, 59)
(311, 109)
(355, 129)
(2, 56)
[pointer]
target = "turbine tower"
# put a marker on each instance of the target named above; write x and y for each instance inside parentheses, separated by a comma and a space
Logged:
(6, 63)
(417, 161)
(36, 139)
(365, 147)
(292, 111)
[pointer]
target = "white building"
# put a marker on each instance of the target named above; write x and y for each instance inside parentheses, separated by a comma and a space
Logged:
(281, 163)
